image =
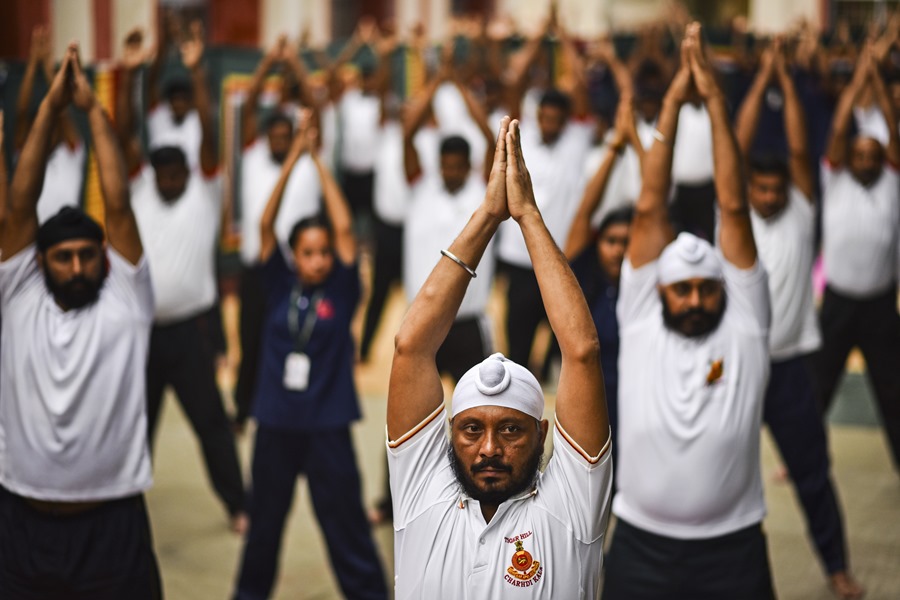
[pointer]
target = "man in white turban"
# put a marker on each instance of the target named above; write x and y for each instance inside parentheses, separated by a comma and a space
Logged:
(693, 370)
(473, 515)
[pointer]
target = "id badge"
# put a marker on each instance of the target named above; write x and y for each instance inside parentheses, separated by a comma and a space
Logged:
(296, 372)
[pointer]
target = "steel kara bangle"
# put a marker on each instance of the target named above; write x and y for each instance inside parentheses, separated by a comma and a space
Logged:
(453, 257)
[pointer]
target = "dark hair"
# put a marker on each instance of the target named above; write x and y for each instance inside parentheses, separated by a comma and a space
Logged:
(178, 86)
(317, 221)
(455, 144)
(769, 165)
(556, 99)
(278, 118)
(165, 156)
(624, 214)
(69, 223)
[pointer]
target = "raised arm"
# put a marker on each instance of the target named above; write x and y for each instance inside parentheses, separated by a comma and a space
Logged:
(890, 114)
(735, 230)
(580, 234)
(21, 222)
(191, 53)
(748, 116)
(795, 126)
(4, 180)
(268, 239)
(132, 58)
(36, 55)
(479, 116)
(651, 230)
(336, 206)
(580, 396)
(837, 149)
(415, 386)
(121, 226)
(415, 117)
(168, 26)
(248, 108)
(581, 103)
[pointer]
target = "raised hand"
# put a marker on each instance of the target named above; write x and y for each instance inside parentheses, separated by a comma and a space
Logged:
(60, 93)
(300, 143)
(519, 192)
(367, 30)
(82, 94)
(40, 45)
(683, 83)
(192, 48)
(495, 197)
(133, 54)
(704, 78)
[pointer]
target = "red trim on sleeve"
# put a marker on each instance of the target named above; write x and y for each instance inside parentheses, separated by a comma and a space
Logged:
(393, 444)
(591, 459)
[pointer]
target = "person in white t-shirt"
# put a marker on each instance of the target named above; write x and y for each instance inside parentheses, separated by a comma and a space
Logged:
(783, 216)
(178, 210)
(65, 165)
(693, 367)
(860, 225)
(74, 461)
(263, 155)
(473, 516)
(440, 205)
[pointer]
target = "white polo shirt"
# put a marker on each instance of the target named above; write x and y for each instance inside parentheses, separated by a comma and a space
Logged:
(359, 115)
(62, 180)
(435, 218)
(179, 240)
(259, 175)
(73, 423)
(690, 410)
(162, 130)
(557, 176)
(444, 549)
(786, 245)
(859, 231)
(692, 155)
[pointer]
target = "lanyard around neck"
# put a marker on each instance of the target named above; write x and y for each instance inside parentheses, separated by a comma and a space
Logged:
(301, 336)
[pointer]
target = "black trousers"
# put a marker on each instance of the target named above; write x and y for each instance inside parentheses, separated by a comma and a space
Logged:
(874, 326)
(104, 553)
(181, 356)
(388, 269)
(694, 210)
(252, 318)
(328, 461)
(644, 566)
(524, 312)
(792, 414)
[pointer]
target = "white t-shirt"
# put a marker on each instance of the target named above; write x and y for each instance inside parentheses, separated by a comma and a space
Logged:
(786, 245)
(435, 219)
(453, 118)
(180, 243)
(859, 231)
(73, 424)
(557, 175)
(689, 439)
(162, 130)
(444, 549)
(259, 175)
(391, 192)
(692, 156)
(62, 180)
(360, 115)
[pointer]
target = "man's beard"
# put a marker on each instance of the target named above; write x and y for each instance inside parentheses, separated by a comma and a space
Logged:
(77, 292)
(695, 322)
(495, 495)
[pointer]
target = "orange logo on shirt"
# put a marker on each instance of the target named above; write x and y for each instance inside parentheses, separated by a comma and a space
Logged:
(716, 369)
(525, 571)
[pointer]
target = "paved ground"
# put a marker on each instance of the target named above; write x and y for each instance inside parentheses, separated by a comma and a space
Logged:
(199, 556)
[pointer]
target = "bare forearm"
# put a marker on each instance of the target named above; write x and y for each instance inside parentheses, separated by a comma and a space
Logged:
(22, 102)
(248, 108)
(890, 115)
(338, 211)
(111, 161)
(728, 182)
(209, 159)
(580, 233)
(836, 152)
(29, 177)
(268, 240)
(748, 116)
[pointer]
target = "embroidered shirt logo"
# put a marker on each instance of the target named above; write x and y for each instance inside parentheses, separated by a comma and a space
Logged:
(325, 309)
(716, 370)
(525, 571)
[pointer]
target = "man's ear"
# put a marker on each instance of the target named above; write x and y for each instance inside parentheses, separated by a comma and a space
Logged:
(545, 427)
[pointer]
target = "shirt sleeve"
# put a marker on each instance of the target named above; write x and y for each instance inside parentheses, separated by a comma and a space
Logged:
(131, 284)
(577, 489)
(16, 273)
(420, 470)
(747, 293)
(638, 298)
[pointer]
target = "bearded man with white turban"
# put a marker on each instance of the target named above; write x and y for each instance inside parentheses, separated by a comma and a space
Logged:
(473, 516)
(693, 365)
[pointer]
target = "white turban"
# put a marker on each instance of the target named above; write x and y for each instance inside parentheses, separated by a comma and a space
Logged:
(498, 381)
(688, 257)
